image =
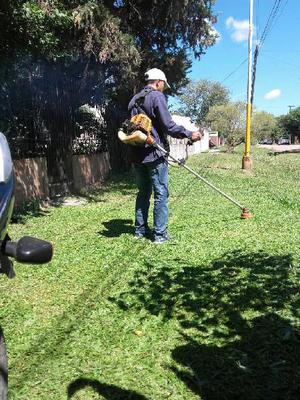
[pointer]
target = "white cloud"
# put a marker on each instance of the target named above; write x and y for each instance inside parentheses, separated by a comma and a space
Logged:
(239, 29)
(273, 94)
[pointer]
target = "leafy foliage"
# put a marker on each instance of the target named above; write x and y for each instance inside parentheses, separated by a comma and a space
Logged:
(264, 126)
(91, 130)
(167, 31)
(290, 123)
(134, 34)
(198, 97)
(34, 27)
(229, 120)
(64, 54)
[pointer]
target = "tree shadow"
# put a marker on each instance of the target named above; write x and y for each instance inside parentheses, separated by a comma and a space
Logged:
(116, 227)
(236, 343)
(30, 209)
(109, 392)
(50, 343)
(236, 280)
(122, 184)
(277, 153)
(263, 364)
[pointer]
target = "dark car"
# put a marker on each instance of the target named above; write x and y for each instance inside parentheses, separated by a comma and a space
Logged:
(266, 141)
(6, 186)
(27, 249)
(284, 141)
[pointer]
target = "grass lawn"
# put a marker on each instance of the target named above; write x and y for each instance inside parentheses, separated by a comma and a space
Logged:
(214, 315)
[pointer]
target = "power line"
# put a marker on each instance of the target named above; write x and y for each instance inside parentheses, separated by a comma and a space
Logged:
(270, 21)
(279, 14)
(266, 31)
(234, 71)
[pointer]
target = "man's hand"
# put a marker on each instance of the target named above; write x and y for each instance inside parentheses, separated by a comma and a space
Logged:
(196, 136)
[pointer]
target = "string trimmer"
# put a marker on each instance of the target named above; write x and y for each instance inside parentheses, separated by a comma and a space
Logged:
(136, 132)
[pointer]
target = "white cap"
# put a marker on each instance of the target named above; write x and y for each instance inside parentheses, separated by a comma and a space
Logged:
(156, 74)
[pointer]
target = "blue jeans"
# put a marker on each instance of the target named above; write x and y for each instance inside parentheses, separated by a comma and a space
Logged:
(152, 175)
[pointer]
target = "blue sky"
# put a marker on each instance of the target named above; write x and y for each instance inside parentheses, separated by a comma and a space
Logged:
(278, 69)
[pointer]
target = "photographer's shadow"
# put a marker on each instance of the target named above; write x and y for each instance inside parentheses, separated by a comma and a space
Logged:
(116, 227)
(109, 392)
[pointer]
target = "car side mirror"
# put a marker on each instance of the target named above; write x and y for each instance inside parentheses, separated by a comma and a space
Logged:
(30, 250)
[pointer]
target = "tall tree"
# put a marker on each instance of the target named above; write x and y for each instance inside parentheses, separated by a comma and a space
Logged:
(166, 31)
(196, 99)
(264, 126)
(67, 53)
(290, 124)
(229, 121)
(63, 54)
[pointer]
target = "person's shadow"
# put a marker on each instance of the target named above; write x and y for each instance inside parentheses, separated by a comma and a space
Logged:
(116, 227)
(109, 392)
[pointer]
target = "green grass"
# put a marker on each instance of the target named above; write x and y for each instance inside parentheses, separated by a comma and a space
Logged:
(213, 316)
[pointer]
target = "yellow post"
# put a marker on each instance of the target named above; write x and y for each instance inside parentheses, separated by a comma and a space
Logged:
(247, 163)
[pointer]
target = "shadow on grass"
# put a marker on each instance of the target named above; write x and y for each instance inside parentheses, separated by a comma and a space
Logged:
(109, 392)
(28, 210)
(292, 151)
(263, 364)
(235, 342)
(116, 227)
(50, 344)
(119, 184)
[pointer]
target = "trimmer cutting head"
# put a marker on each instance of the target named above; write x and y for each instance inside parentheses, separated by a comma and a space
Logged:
(245, 213)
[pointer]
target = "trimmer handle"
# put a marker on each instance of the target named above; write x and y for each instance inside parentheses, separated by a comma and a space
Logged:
(150, 140)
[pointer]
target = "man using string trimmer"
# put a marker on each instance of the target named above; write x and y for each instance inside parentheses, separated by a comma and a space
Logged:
(148, 128)
(150, 163)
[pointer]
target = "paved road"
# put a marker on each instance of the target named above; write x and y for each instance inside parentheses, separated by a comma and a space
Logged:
(281, 148)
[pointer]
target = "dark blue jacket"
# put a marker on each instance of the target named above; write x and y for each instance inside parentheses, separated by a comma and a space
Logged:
(155, 107)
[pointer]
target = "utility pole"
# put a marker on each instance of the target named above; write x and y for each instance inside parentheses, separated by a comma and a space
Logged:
(247, 162)
(290, 108)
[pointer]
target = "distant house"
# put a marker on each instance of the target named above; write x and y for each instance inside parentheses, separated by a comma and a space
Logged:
(215, 139)
(178, 146)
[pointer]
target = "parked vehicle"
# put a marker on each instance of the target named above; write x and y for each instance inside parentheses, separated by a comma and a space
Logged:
(266, 141)
(284, 141)
(26, 250)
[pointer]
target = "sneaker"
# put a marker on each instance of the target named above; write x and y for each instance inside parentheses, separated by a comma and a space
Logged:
(147, 234)
(138, 236)
(163, 239)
